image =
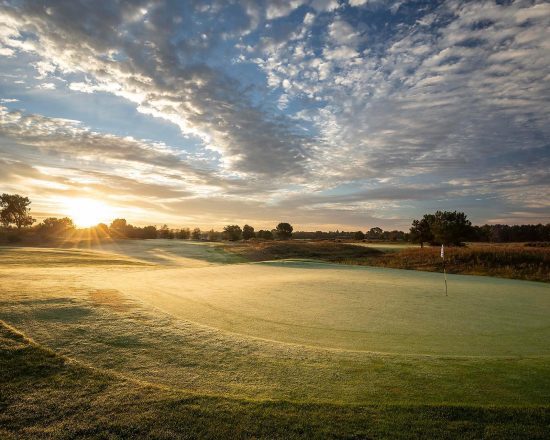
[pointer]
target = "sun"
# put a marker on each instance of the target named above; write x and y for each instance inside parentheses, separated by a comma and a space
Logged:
(88, 212)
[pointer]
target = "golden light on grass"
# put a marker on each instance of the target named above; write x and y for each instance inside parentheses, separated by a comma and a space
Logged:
(88, 212)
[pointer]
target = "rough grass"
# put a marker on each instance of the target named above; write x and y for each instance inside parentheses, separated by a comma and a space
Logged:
(515, 261)
(44, 395)
(512, 261)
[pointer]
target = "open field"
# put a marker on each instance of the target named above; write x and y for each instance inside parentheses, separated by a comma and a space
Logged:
(178, 338)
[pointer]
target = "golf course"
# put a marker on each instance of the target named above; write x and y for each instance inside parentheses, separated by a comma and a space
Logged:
(302, 347)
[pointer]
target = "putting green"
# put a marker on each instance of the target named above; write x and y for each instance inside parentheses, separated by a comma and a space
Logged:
(353, 308)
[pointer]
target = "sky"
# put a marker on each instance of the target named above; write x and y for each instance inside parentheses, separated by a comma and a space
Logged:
(328, 114)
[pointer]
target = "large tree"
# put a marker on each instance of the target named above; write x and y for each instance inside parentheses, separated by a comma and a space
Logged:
(284, 231)
(443, 227)
(15, 210)
(451, 227)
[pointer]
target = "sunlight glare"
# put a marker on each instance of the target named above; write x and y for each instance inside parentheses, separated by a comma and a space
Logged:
(88, 212)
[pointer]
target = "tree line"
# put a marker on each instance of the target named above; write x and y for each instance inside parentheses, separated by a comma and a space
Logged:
(454, 228)
(441, 227)
(119, 228)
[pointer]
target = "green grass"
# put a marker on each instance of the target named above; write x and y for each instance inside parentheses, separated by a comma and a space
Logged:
(192, 348)
(44, 395)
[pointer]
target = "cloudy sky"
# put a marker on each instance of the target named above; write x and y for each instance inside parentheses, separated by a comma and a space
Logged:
(328, 114)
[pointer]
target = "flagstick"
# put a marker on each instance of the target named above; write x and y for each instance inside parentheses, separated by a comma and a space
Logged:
(445, 274)
(444, 268)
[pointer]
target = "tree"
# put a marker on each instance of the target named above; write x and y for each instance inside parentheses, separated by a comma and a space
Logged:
(196, 234)
(451, 227)
(264, 235)
(119, 227)
(284, 231)
(213, 235)
(232, 232)
(149, 232)
(15, 209)
(248, 232)
(443, 227)
(359, 235)
(164, 232)
(375, 233)
(183, 234)
(102, 230)
(55, 226)
(421, 231)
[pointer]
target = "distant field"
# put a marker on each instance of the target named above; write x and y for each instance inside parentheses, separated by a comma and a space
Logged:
(188, 335)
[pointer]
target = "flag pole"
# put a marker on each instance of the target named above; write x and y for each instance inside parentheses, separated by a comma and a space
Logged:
(444, 268)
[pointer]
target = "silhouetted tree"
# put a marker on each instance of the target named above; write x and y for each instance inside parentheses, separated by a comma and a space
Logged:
(248, 232)
(53, 226)
(15, 209)
(119, 227)
(375, 233)
(149, 232)
(359, 235)
(284, 231)
(421, 231)
(196, 234)
(213, 235)
(264, 235)
(443, 227)
(183, 234)
(232, 232)
(451, 227)
(165, 232)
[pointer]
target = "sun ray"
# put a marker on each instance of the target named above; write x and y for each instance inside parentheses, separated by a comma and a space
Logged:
(87, 212)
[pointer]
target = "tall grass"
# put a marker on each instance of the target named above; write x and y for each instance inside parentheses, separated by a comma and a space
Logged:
(512, 261)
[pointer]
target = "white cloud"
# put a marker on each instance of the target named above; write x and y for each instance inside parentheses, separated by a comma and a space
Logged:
(325, 5)
(47, 86)
(357, 2)
(342, 33)
(281, 8)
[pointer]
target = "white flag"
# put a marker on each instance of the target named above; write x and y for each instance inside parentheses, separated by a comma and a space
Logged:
(442, 252)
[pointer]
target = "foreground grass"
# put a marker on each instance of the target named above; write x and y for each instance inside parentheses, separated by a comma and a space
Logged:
(44, 395)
